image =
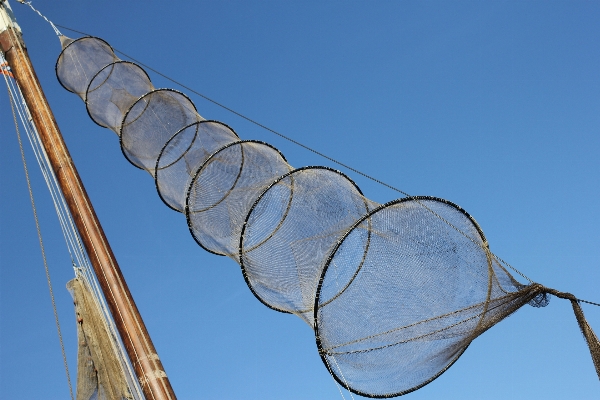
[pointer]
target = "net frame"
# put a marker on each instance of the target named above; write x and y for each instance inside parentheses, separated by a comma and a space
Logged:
(188, 211)
(290, 174)
(158, 168)
(111, 65)
(66, 48)
(126, 123)
(476, 331)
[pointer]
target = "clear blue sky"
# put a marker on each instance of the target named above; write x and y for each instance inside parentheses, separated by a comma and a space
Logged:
(493, 105)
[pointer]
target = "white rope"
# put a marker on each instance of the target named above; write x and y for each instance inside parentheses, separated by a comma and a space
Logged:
(342, 374)
(82, 265)
(40, 14)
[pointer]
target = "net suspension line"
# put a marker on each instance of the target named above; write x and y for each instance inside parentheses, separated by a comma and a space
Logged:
(28, 3)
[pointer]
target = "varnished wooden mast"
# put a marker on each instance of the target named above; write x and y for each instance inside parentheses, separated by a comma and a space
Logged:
(132, 330)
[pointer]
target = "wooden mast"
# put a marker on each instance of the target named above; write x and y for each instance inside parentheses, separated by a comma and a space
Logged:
(131, 328)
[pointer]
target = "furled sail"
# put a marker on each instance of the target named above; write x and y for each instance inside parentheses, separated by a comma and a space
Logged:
(100, 374)
(395, 293)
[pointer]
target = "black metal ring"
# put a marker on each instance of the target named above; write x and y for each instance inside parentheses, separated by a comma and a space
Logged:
(156, 169)
(67, 46)
(187, 197)
(241, 245)
(133, 105)
(326, 267)
(98, 73)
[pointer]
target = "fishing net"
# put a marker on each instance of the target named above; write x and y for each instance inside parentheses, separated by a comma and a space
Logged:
(80, 61)
(100, 373)
(113, 90)
(151, 121)
(395, 293)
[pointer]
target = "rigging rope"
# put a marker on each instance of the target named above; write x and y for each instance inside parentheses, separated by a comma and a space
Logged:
(75, 247)
(81, 263)
(41, 15)
(39, 233)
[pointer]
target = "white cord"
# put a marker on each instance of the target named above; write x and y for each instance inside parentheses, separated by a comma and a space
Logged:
(40, 14)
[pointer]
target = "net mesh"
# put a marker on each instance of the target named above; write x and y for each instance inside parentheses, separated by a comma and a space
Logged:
(224, 189)
(184, 154)
(395, 292)
(289, 232)
(113, 90)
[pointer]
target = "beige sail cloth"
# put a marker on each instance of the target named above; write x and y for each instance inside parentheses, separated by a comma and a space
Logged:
(99, 371)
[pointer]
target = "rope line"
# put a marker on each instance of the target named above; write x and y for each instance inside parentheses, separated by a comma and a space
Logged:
(41, 15)
(85, 266)
(39, 233)
(588, 302)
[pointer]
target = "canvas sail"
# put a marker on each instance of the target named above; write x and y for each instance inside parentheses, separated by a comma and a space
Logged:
(100, 373)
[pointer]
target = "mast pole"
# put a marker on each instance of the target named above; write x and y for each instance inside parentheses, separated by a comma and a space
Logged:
(129, 323)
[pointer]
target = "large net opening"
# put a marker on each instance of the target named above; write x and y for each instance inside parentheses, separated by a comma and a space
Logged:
(427, 287)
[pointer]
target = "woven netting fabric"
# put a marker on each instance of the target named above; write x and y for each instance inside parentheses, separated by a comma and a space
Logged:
(80, 61)
(151, 121)
(113, 90)
(395, 293)
(100, 373)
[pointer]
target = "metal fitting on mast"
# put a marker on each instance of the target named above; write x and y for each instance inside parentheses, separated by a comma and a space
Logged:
(8, 21)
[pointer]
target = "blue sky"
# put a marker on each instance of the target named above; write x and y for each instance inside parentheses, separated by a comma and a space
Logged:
(492, 105)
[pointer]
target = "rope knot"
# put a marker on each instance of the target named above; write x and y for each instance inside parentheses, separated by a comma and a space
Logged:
(562, 295)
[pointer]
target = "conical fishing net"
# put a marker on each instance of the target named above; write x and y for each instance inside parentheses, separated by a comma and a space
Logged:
(100, 373)
(395, 292)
